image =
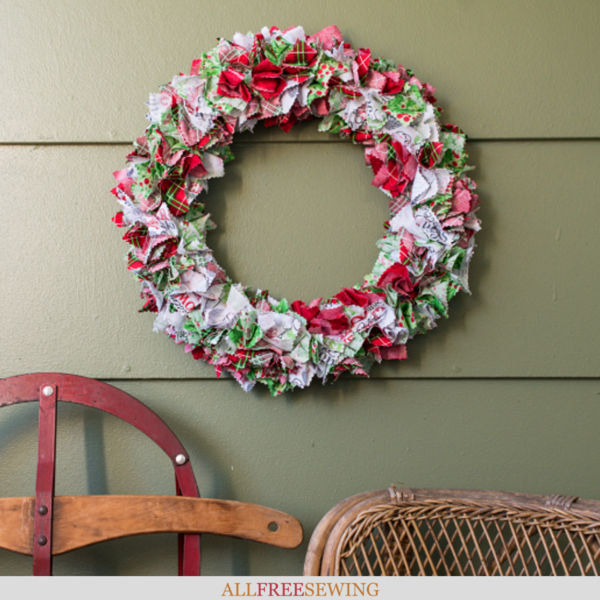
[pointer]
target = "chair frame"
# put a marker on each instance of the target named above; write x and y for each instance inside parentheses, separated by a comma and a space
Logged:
(344, 532)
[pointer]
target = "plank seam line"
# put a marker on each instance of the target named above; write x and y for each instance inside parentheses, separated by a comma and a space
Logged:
(332, 141)
(438, 378)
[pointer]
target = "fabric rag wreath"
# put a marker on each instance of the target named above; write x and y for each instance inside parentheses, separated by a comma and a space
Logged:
(281, 78)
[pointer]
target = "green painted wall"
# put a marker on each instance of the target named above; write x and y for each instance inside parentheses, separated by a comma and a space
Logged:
(504, 395)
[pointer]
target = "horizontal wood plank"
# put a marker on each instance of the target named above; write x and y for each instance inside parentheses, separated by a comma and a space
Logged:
(302, 221)
(511, 69)
(305, 453)
(83, 520)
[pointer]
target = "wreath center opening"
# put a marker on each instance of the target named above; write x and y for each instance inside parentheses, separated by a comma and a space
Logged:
(298, 219)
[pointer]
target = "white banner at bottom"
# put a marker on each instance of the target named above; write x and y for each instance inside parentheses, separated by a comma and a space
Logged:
(216, 588)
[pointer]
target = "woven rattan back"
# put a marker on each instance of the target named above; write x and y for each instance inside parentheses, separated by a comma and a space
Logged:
(456, 532)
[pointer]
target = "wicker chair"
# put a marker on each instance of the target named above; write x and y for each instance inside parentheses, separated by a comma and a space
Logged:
(456, 532)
